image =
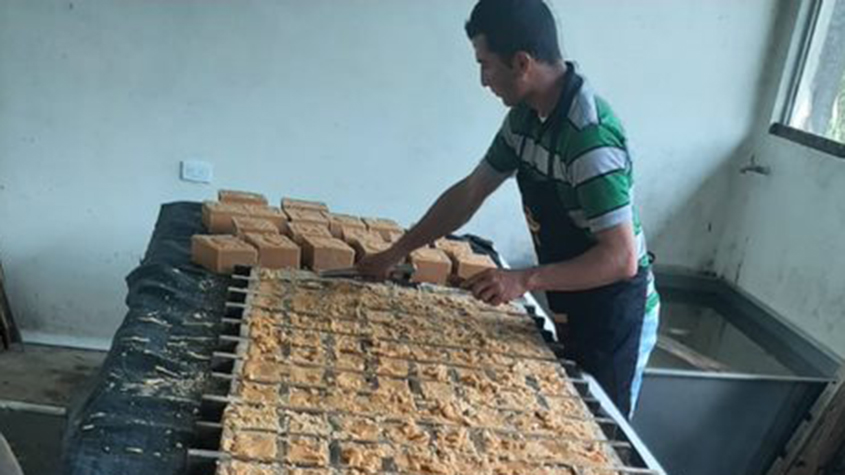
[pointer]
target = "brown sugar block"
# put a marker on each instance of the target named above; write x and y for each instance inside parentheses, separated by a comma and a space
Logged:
(221, 253)
(245, 225)
(251, 445)
(431, 265)
(368, 247)
(470, 264)
(307, 216)
(358, 428)
(275, 251)
(270, 213)
(354, 235)
(385, 227)
(339, 222)
(244, 197)
(307, 451)
(291, 204)
(307, 423)
(311, 471)
(453, 248)
(326, 253)
(365, 242)
(246, 416)
(262, 371)
(237, 467)
(217, 217)
(364, 458)
(258, 393)
(298, 230)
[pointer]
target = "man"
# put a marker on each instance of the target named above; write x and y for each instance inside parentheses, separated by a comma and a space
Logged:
(570, 157)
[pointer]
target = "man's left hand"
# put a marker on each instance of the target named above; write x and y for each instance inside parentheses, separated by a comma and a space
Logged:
(497, 286)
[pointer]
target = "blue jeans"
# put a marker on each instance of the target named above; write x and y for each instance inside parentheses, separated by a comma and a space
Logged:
(648, 339)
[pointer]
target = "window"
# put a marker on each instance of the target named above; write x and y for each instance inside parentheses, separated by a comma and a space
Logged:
(815, 111)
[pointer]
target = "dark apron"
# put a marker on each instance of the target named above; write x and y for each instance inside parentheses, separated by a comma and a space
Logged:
(604, 324)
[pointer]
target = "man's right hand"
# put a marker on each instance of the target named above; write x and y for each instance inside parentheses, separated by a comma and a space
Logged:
(378, 266)
(451, 211)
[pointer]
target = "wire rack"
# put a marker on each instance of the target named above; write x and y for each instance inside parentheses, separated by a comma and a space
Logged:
(334, 376)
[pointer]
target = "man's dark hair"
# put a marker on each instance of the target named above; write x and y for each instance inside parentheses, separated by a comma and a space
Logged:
(511, 26)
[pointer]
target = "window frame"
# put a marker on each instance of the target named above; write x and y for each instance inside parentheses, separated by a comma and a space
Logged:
(808, 22)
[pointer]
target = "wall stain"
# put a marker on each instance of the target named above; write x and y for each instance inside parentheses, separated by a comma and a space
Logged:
(738, 272)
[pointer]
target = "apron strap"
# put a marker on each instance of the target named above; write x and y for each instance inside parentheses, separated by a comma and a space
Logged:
(572, 84)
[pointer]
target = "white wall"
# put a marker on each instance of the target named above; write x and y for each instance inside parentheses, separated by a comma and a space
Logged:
(785, 242)
(684, 77)
(784, 234)
(373, 106)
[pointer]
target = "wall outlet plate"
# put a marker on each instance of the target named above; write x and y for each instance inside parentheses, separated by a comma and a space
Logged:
(197, 171)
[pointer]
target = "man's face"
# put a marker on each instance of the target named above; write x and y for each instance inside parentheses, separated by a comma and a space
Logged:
(503, 79)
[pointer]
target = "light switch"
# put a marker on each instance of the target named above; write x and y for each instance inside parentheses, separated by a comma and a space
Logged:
(197, 171)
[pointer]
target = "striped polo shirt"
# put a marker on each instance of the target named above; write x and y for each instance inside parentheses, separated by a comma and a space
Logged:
(591, 167)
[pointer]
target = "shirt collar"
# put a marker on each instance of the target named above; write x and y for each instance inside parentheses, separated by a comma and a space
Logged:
(572, 83)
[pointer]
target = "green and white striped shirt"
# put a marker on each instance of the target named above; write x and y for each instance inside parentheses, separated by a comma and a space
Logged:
(592, 170)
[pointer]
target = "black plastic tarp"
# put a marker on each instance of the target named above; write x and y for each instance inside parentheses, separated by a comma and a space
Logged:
(139, 417)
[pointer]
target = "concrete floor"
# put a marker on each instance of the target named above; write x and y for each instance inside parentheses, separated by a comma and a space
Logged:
(46, 375)
(37, 386)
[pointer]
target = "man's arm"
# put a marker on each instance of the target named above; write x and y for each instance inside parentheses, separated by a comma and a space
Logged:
(451, 211)
(612, 259)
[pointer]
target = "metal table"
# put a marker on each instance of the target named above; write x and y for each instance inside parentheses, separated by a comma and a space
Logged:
(141, 416)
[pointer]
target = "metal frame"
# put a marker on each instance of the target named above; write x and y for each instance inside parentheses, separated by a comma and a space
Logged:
(775, 333)
(816, 142)
(812, 445)
(633, 455)
(802, 396)
(808, 21)
(607, 406)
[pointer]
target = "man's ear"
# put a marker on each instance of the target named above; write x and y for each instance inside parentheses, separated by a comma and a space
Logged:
(521, 62)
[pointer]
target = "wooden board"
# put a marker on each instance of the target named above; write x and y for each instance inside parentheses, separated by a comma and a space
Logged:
(816, 443)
